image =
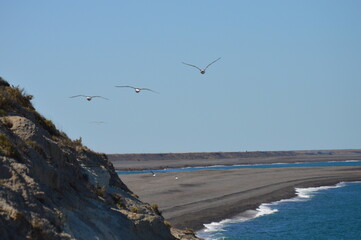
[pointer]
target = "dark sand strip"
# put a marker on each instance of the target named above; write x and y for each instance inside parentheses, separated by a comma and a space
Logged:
(206, 196)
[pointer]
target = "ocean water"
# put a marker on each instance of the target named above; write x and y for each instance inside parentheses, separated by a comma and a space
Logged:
(330, 212)
(272, 165)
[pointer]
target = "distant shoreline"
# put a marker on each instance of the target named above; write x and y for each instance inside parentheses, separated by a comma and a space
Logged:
(200, 197)
(344, 163)
(151, 161)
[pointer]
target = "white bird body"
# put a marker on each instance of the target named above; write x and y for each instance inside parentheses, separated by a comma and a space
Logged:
(202, 71)
(89, 98)
(137, 90)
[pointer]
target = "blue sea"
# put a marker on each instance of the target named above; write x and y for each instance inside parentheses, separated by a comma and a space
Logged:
(329, 212)
(271, 165)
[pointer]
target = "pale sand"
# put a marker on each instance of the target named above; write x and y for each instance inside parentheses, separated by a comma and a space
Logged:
(199, 197)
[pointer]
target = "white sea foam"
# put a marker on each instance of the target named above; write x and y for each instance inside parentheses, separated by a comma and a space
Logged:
(303, 194)
(306, 193)
(215, 226)
(262, 210)
(265, 209)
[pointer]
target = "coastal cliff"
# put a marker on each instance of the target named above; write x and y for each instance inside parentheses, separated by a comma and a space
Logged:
(52, 187)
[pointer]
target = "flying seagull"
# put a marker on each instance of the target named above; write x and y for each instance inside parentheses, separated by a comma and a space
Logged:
(202, 71)
(137, 90)
(153, 173)
(98, 122)
(89, 98)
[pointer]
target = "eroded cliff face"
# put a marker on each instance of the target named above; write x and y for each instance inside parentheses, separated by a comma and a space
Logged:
(52, 187)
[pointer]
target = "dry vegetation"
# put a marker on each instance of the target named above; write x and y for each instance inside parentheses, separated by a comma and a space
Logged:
(36, 147)
(118, 200)
(156, 209)
(167, 224)
(15, 101)
(100, 191)
(10, 97)
(7, 148)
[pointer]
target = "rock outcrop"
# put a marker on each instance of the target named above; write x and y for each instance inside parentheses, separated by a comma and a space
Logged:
(52, 187)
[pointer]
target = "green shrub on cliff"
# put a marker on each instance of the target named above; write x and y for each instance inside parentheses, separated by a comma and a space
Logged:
(167, 224)
(15, 99)
(36, 147)
(100, 191)
(7, 148)
(48, 125)
(12, 96)
(118, 199)
(156, 209)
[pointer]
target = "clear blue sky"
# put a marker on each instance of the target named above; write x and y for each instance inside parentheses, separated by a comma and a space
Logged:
(289, 77)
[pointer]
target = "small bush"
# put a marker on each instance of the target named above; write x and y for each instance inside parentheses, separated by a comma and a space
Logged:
(100, 191)
(2, 113)
(134, 210)
(16, 215)
(167, 224)
(46, 124)
(156, 209)
(118, 201)
(36, 147)
(19, 96)
(13, 97)
(78, 142)
(135, 195)
(7, 148)
(10, 97)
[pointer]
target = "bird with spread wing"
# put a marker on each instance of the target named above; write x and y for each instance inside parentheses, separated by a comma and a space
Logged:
(202, 71)
(89, 98)
(137, 90)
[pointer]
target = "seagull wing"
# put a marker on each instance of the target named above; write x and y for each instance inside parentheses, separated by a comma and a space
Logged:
(211, 63)
(99, 97)
(127, 86)
(78, 96)
(192, 66)
(149, 90)
(98, 122)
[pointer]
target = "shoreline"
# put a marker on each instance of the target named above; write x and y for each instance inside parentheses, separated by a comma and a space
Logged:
(264, 208)
(290, 194)
(182, 160)
(205, 196)
(224, 167)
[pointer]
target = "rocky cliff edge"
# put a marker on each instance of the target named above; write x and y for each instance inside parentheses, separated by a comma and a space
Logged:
(52, 187)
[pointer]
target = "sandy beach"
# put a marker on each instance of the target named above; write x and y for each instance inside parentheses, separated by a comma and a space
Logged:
(199, 197)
